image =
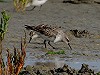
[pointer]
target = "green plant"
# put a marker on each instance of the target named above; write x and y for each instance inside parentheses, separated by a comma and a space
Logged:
(98, 73)
(15, 61)
(4, 24)
(3, 29)
(1, 0)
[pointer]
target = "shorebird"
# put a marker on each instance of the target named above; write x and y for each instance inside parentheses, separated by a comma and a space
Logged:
(48, 33)
(35, 3)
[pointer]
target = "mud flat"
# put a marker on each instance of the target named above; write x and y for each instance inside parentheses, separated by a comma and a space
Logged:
(71, 17)
(51, 69)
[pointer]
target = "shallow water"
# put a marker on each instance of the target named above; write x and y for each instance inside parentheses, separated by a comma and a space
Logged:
(68, 16)
(94, 65)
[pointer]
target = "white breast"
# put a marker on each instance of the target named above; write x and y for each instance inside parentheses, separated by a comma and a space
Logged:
(35, 36)
(58, 38)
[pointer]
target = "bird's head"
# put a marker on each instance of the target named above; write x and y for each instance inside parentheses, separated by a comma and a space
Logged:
(32, 35)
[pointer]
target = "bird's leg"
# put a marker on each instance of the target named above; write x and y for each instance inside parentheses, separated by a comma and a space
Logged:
(45, 43)
(69, 46)
(40, 7)
(32, 8)
(66, 40)
(51, 45)
(30, 39)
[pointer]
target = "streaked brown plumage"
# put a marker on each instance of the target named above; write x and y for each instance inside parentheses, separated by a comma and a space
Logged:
(48, 33)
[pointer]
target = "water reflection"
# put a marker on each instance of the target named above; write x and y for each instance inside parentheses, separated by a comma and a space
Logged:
(95, 65)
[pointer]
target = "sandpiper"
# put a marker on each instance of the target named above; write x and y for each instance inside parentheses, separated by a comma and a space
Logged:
(35, 3)
(48, 33)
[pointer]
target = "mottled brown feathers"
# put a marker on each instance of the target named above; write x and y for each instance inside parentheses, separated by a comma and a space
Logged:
(46, 30)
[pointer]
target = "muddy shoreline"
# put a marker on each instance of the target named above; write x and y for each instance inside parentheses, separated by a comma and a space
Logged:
(69, 17)
(51, 69)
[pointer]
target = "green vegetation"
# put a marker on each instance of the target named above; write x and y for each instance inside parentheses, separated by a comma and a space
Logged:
(4, 24)
(58, 52)
(3, 28)
(2, 1)
(13, 67)
(98, 73)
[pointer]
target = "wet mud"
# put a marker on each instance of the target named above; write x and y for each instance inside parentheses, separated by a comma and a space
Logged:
(80, 22)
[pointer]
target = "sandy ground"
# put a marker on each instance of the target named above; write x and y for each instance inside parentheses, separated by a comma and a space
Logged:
(69, 17)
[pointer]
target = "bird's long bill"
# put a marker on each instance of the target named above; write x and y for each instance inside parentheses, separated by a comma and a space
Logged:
(69, 46)
(30, 39)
